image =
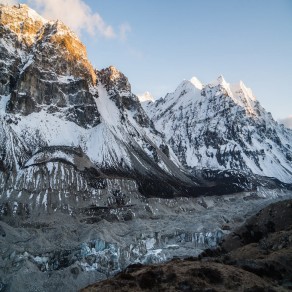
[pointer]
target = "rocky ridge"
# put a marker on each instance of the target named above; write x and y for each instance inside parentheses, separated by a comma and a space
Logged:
(222, 126)
(35, 76)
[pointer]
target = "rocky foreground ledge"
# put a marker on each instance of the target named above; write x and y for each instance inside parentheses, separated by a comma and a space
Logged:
(255, 257)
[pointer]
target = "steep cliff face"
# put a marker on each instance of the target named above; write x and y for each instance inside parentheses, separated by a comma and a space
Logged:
(45, 68)
(222, 126)
(67, 129)
(119, 90)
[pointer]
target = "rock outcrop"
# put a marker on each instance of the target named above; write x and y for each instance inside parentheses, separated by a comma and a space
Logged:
(45, 68)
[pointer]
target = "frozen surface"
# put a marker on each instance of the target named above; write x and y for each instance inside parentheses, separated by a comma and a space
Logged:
(177, 227)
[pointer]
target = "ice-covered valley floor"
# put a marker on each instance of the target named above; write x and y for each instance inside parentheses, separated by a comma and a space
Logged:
(64, 252)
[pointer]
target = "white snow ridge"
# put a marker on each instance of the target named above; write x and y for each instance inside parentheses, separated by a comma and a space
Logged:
(146, 97)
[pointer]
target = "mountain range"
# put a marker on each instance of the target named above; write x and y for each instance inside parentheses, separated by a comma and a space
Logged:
(222, 126)
(75, 140)
(60, 115)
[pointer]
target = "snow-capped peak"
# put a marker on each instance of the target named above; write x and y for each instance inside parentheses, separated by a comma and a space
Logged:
(186, 86)
(243, 95)
(238, 91)
(198, 84)
(32, 13)
(221, 82)
(247, 91)
(22, 10)
(222, 127)
(146, 96)
(22, 21)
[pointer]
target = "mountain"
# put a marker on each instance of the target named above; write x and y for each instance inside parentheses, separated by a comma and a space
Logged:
(90, 182)
(67, 126)
(62, 119)
(222, 126)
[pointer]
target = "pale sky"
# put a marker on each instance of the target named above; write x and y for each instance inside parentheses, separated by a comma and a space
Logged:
(157, 44)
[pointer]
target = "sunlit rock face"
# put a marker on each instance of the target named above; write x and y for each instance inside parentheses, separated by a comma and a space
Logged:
(45, 68)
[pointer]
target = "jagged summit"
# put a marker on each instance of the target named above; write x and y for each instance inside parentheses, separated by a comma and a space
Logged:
(222, 126)
(22, 20)
(220, 81)
(46, 67)
(115, 73)
(114, 79)
(146, 97)
(197, 83)
(220, 86)
(232, 89)
(53, 40)
(242, 88)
